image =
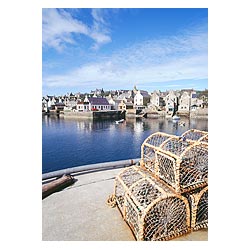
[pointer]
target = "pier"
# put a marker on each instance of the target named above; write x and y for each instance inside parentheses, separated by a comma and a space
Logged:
(80, 212)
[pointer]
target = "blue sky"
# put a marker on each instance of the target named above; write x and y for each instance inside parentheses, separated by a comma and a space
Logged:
(85, 49)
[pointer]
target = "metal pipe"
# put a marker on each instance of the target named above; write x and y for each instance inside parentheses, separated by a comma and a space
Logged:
(97, 166)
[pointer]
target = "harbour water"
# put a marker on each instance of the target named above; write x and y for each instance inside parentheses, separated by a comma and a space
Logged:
(70, 142)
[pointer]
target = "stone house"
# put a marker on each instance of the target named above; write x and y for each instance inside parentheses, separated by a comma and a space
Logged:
(124, 105)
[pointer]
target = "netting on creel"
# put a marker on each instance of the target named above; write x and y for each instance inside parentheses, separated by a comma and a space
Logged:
(128, 176)
(167, 195)
(182, 164)
(194, 134)
(198, 201)
(179, 162)
(204, 138)
(177, 144)
(149, 146)
(152, 209)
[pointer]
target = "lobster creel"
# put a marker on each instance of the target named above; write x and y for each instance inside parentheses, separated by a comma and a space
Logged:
(152, 209)
(181, 163)
(198, 201)
(196, 135)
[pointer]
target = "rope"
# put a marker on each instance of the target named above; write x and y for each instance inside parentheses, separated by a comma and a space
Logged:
(111, 201)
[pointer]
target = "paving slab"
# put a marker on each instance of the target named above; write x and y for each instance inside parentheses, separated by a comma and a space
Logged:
(80, 213)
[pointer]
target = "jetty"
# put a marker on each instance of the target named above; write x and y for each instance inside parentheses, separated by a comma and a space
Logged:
(80, 211)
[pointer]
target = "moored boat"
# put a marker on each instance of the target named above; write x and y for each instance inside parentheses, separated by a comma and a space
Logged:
(120, 121)
(176, 117)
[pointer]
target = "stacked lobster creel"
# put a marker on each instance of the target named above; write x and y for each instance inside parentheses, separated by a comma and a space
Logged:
(153, 210)
(182, 163)
(198, 200)
(167, 195)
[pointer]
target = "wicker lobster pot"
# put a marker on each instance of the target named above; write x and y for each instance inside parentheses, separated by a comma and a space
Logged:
(204, 138)
(182, 164)
(196, 135)
(149, 147)
(152, 209)
(198, 201)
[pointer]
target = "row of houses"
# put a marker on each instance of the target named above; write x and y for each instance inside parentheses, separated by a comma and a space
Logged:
(183, 101)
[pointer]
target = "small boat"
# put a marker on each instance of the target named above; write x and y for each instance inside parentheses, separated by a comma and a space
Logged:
(175, 117)
(120, 121)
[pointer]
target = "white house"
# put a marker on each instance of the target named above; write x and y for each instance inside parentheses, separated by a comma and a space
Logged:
(93, 104)
(138, 99)
(170, 100)
(44, 104)
(155, 99)
(111, 101)
(141, 99)
(184, 104)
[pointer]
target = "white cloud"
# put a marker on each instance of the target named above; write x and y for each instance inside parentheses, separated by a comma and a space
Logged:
(162, 60)
(59, 25)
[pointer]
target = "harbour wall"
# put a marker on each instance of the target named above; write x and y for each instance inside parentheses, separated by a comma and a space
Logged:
(95, 114)
(199, 113)
(92, 167)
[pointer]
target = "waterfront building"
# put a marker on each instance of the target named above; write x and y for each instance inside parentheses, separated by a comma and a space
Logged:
(59, 106)
(155, 99)
(124, 105)
(184, 103)
(193, 99)
(141, 99)
(51, 103)
(111, 101)
(93, 104)
(171, 99)
(195, 103)
(70, 104)
(44, 104)
(204, 100)
(116, 106)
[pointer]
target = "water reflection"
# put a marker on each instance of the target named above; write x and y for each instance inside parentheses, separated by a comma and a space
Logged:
(83, 126)
(69, 142)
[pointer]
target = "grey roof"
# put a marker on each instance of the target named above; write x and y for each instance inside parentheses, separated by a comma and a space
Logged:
(125, 94)
(144, 93)
(59, 104)
(98, 101)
